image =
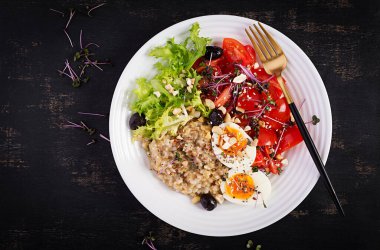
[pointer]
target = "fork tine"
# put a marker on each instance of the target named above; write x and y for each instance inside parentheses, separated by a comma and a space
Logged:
(273, 42)
(260, 44)
(257, 49)
(265, 42)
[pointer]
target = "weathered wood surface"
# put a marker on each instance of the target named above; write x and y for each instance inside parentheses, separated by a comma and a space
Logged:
(58, 193)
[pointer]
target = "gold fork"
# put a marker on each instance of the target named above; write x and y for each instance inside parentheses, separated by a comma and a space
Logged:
(274, 61)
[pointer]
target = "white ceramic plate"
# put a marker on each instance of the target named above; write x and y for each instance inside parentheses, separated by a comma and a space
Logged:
(289, 189)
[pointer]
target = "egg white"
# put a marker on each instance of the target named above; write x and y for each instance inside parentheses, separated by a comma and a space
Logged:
(263, 188)
(248, 154)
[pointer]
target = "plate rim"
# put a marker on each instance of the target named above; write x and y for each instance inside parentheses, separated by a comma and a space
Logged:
(324, 96)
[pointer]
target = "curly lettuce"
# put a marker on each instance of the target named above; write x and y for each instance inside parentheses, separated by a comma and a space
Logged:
(169, 90)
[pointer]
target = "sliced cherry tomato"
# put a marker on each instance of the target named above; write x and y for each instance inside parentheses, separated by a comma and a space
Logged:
(215, 69)
(275, 90)
(224, 97)
(273, 166)
(290, 138)
(266, 137)
(259, 160)
(249, 99)
(277, 115)
(197, 62)
(251, 52)
(235, 52)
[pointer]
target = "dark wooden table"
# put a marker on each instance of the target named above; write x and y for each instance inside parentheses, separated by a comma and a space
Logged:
(58, 193)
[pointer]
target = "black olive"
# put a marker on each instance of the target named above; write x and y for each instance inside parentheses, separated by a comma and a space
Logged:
(136, 121)
(208, 202)
(215, 51)
(216, 117)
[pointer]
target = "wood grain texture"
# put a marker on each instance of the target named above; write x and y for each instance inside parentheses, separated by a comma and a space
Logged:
(58, 193)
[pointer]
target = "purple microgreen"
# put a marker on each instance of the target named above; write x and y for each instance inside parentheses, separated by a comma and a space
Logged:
(80, 39)
(93, 114)
(94, 44)
(91, 142)
(222, 76)
(72, 12)
(105, 138)
(314, 120)
(270, 118)
(279, 140)
(95, 7)
(57, 11)
(148, 240)
(268, 79)
(302, 103)
(71, 43)
(248, 73)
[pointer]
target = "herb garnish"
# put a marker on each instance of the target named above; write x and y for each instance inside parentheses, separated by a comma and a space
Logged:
(314, 120)
(148, 240)
(250, 245)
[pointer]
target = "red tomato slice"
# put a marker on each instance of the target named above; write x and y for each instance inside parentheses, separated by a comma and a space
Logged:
(249, 99)
(277, 115)
(224, 97)
(290, 138)
(266, 137)
(235, 52)
(259, 160)
(251, 52)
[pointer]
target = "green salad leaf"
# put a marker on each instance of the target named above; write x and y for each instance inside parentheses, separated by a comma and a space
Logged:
(165, 99)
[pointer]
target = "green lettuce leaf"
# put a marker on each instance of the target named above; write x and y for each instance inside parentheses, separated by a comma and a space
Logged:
(174, 61)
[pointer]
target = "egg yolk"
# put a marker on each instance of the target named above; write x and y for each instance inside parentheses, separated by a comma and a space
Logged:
(240, 186)
(239, 145)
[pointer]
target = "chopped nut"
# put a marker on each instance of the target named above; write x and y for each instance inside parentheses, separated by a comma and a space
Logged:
(176, 92)
(226, 145)
(219, 198)
(177, 111)
(284, 162)
(256, 65)
(279, 157)
(218, 130)
(179, 137)
(223, 109)
(197, 114)
(249, 84)
(169, 87)
(240, 78)
(237, 120)
(227, 118)
(262, 124)
(232, 141)
(247, 128)
(240, 109)
(195, 199)
(157, 93)
(209, 103)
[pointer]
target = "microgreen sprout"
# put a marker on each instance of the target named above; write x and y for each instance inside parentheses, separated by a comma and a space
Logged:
(93, 114)
(148, 240)
(95, 7)
(314, 120)
(104, 137)
(57, 11)
(91, 142)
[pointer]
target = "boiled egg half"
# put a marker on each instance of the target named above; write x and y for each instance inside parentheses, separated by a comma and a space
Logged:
(244, 187)
(232, 146)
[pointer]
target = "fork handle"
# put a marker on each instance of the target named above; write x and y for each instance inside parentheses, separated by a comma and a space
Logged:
(310, 146)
